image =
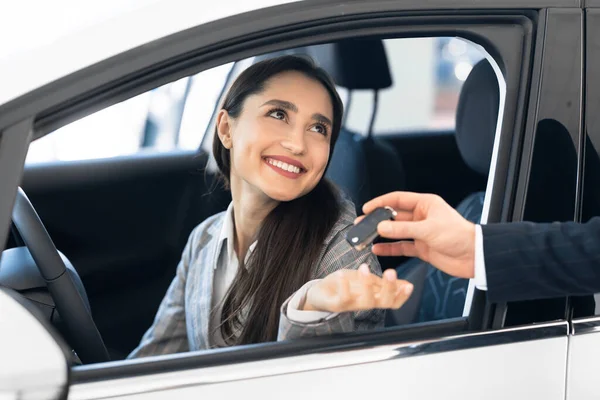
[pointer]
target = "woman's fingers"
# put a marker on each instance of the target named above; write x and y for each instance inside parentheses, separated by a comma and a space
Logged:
(403, 293)
(387, 293)
(370, 291)
(357, 290)
(369, 284)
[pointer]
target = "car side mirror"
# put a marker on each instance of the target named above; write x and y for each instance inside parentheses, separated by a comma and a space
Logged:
(34, 358)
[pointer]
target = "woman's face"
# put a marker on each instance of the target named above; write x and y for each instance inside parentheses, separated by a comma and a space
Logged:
(280, 142)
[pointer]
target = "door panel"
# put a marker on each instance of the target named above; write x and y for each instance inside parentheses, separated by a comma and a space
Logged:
(584, 343)
(584, 356)
(521, 363)
(123, 223)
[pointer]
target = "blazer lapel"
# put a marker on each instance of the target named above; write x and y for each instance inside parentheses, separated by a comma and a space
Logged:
(204, 281)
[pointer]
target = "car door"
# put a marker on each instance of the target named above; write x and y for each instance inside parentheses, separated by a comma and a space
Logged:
(460, 358)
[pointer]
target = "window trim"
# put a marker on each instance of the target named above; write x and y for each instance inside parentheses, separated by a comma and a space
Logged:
(551, 43)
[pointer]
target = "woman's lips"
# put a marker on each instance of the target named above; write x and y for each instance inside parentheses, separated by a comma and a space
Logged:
(288, 170)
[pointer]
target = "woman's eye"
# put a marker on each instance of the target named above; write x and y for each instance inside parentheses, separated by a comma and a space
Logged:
(319, 129)
(277, 114)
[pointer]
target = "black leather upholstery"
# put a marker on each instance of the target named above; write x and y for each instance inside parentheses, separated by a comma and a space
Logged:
(386, 171)
(363, 166)
(476, 117)
(354, 64)
(348, 168)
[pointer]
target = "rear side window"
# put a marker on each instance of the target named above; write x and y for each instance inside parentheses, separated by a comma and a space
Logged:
(427, 76)
(169, 118)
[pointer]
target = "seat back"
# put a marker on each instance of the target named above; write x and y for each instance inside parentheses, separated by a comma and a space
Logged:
(348, 168)
(363, 166)
(443, 296)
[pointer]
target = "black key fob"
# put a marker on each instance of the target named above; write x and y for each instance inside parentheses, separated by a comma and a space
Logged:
(363, 233)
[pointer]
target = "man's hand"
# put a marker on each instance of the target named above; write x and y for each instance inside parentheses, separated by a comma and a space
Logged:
(441, 236)
(356, 290)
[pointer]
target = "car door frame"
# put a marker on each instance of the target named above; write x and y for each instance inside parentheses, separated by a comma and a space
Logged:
(584, 335)
(41, 113)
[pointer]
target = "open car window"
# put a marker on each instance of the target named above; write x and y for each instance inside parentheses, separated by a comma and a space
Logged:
(169, 118)
(177, 119)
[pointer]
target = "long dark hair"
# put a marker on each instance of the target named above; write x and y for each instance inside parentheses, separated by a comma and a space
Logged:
(291, 237)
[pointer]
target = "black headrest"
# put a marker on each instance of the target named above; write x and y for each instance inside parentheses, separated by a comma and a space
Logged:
(476, 117)
(359, 63)
(353, 64)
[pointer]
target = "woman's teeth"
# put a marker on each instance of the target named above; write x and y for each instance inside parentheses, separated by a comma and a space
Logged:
(284, 166)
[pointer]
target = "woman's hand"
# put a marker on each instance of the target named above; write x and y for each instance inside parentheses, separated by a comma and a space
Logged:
(356, 290)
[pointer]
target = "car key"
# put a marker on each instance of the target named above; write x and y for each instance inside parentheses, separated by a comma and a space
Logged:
(363, 233)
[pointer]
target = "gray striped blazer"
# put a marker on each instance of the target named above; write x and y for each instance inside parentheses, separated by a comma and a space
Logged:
(182, 321)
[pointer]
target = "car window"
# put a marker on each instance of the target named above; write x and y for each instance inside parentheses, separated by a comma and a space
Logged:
(169, 118)
(180, 116)
(427, 76)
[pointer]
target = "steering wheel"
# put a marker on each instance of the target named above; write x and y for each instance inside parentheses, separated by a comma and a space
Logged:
(73, 310)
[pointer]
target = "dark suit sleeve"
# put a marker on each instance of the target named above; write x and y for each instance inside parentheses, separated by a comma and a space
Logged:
(525, 261)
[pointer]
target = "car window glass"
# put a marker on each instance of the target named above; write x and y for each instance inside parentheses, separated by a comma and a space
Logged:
(169, 118)
(427, 75)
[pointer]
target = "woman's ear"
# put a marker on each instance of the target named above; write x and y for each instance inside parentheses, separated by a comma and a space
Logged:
(224, 128)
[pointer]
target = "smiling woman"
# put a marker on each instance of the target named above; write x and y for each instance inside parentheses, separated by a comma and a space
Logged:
(275, 265)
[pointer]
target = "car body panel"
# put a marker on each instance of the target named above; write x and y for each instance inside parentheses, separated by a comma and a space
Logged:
(108, 38)
(37, 367)
(584, 356)
(413, 370)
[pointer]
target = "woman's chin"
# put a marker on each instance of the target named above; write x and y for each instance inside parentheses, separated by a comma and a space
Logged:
(281, 195)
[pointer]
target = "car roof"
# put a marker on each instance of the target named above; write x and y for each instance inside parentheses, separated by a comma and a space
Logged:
(26, 71)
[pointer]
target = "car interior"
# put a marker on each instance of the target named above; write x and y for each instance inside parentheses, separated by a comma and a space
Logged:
(121, 223)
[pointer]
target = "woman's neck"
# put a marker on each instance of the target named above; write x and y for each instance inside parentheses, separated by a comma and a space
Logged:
(250, 208)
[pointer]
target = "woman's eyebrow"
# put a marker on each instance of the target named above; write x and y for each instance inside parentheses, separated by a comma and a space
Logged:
(286, 105)
(322, 119)
(282, 104)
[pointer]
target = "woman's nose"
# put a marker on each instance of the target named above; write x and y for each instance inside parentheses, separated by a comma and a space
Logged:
(295, 143)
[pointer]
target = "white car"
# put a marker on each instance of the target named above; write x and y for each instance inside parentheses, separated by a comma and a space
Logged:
(104, 133)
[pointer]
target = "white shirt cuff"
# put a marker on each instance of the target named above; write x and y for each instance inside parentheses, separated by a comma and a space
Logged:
(480, 277)
(301, 316)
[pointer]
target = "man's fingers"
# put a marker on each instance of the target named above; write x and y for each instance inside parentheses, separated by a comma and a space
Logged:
(401, 230)
(404, 216)
(402, 248)
(399, 201)
(400, 216)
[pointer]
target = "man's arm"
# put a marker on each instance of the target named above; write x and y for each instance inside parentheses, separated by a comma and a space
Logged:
(526, 261)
